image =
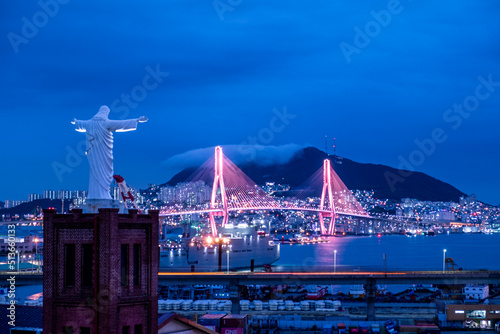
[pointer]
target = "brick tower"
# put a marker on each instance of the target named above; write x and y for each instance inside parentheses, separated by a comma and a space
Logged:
(100, 272)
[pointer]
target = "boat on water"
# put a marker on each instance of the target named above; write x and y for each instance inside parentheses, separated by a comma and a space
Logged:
(248, 248)
(300, 239)
(339, 234)
(357, 291)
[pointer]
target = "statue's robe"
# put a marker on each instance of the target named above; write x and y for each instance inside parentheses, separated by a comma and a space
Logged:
(99, 133)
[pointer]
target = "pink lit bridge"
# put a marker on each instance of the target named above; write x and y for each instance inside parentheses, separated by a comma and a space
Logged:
(234, 191)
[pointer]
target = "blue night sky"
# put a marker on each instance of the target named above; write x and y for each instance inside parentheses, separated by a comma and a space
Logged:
(380, 76)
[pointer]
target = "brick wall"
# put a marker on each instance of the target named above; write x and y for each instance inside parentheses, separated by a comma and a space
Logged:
(106, 305)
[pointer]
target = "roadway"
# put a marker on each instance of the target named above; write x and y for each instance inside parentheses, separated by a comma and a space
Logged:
(330, 278)
(303, 278)
(164, 213)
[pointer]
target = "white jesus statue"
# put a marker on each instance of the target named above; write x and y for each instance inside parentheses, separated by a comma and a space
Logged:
(99, 132)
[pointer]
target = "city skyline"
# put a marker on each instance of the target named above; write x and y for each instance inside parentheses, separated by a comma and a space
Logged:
(405, 84)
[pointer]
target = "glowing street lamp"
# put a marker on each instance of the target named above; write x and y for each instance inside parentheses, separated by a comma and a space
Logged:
(444, 258)
(17, 252)
(335, 261)
(36, 256)
(220, 242)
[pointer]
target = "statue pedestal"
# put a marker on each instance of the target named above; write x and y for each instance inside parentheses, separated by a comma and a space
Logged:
(92, 205)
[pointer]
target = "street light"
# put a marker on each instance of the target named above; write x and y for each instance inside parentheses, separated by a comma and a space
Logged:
(444, 258)
(220, 242)
(227, 251)
(36, 256)
(17, 252)
(335, 261)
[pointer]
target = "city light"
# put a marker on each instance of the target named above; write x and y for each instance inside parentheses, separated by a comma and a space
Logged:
(335, 261)
(444, 259)
(36, 256)
(238, 193)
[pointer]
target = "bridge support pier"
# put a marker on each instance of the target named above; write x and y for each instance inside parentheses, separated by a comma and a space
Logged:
(235, 296)
(371, 289)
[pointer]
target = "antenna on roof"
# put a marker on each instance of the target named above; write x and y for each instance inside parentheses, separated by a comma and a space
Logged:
(334, 148)
(326, 145)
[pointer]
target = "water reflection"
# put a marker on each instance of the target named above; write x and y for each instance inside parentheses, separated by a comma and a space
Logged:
(471, 252)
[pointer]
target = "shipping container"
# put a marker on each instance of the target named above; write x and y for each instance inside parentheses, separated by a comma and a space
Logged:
(429, 330)
(408, 328)
(327, 329)
(232, 330)
(215, 329)
(364, 328)
(234, 321)
(375, 328)
(211, 321)
(425, 329)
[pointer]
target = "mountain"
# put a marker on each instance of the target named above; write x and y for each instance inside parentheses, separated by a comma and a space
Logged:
(387, 182)
(30, 207)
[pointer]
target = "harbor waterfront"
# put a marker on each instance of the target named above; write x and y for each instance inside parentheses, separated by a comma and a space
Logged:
(402, 253)
(468, 251)
(392, 263)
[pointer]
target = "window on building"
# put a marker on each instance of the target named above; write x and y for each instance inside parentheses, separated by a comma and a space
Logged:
(69, 265)
(476, 314)
(459, 311)
(125, 329)
(138, 329)
(137, 264)
(124, 265)
(87, 267)
(84, 330)
(68, 329)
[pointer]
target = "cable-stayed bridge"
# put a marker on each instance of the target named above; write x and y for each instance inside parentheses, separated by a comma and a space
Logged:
(233, 190)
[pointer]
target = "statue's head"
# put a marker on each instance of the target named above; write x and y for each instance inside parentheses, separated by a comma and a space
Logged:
(102, 114)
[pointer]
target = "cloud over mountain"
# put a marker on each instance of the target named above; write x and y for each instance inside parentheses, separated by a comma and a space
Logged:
(239, 154)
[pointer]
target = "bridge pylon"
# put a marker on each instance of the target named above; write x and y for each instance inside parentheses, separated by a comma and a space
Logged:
(218, 182)
(327, 190)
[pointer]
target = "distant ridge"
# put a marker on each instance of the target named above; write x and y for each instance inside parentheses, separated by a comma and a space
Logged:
(29, 207)
(355, 175)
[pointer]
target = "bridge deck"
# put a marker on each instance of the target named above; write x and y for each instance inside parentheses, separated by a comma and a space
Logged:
(179, 213)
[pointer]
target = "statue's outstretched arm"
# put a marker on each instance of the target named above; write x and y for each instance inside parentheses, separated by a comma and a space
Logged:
(124, 125)
(80, 126)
